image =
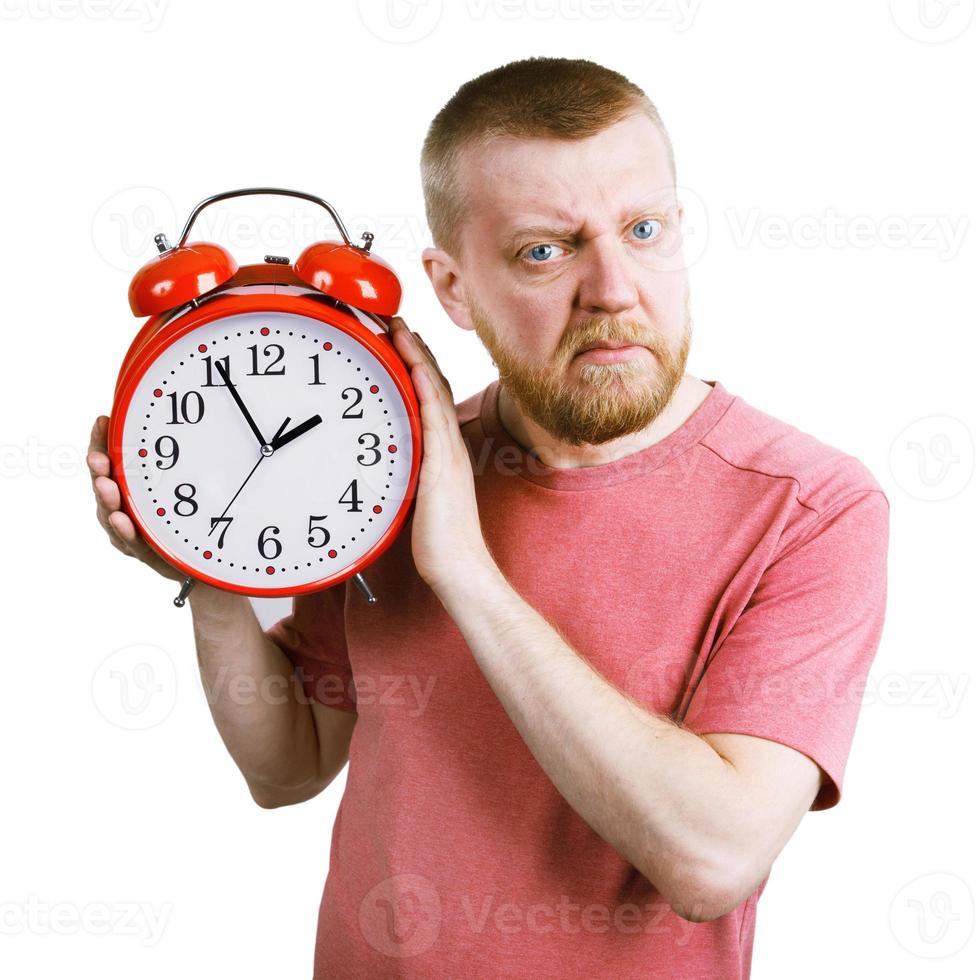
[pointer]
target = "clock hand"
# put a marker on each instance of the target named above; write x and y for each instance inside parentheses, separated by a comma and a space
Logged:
(215, 521)
(220, 368)
(280, 440)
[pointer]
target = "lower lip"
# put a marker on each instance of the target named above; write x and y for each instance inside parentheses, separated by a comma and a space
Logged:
(604, 355)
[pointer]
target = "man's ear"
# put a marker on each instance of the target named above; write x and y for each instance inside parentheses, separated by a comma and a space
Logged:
(446, 278)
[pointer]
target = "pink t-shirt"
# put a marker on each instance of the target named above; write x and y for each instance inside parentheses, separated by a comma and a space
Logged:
(732, 575)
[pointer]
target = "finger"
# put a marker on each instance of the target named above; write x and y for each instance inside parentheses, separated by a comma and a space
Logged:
(97, 458)
(98, 463)
(416, 351)
(107, 493)
(98, 436)
(121, 523)
(433, 420)
(434, 363)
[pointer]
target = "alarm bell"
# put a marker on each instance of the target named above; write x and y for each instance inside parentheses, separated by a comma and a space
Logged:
(185, 273)
(179, 275)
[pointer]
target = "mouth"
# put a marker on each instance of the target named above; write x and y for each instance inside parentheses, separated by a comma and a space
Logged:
(607, 345)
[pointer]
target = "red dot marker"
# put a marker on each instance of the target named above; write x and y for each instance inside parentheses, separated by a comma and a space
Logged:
(202, 347)
(264, 331)
(392, 449)
(269, 570)
(158, 393)
(331, 553)
(376, 508)
(161, 511)
(374, 389)
(207, 554)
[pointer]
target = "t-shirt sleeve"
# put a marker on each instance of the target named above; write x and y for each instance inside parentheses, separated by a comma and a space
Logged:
(793, 667)
(314, 638)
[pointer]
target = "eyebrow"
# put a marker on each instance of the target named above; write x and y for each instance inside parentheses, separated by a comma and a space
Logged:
(551, 232)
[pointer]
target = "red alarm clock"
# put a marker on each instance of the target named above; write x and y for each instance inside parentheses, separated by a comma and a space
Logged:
(265, 434)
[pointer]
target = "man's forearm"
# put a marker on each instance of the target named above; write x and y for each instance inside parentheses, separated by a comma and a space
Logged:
(659, 794)
(256, 704)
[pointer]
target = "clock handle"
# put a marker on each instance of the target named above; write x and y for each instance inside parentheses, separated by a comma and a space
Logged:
(246, 191)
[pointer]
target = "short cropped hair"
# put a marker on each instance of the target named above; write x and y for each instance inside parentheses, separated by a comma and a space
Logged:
(558, 98)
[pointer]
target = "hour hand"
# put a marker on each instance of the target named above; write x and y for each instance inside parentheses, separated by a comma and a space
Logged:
(280, 439)
(220, 368)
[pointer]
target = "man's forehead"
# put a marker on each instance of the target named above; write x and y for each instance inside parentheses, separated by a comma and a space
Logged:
(518, 182)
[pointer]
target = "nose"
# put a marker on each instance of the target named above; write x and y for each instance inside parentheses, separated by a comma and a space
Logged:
(607, 284)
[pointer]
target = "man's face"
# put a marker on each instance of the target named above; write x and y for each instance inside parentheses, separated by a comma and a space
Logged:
(568, 244)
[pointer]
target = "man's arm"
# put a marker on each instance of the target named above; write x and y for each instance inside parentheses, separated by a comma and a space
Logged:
(702, 817)
(287, 747)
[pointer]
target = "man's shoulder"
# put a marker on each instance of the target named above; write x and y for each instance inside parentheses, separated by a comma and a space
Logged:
(757, 442)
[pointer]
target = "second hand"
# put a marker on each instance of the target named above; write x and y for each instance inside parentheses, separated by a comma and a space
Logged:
(215, 520)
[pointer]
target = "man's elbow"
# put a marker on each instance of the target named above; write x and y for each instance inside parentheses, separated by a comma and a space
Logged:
(702, 896)
(273, 797)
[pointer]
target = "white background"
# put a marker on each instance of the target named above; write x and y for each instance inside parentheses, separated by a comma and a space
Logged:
(828, 155)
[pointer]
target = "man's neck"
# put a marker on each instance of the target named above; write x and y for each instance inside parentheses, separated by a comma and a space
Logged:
(688, 395)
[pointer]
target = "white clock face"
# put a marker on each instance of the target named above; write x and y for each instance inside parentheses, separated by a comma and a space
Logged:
(298, 498)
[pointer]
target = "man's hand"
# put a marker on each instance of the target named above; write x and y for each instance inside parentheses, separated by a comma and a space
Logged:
(447, 541)
(115, 521)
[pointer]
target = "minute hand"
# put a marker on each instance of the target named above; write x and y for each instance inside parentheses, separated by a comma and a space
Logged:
(220, 368)
(281, 440)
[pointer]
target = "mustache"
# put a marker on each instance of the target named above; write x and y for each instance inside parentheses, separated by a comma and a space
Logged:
(622, 333)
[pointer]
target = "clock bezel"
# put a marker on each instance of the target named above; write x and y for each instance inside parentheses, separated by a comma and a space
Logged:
(170, 331)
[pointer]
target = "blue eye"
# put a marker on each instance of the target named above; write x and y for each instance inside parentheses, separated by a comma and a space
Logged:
(537, 250)
(647, 228)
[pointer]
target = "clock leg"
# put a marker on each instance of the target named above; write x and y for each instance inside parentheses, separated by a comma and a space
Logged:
(185, 587)
(365, 588)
